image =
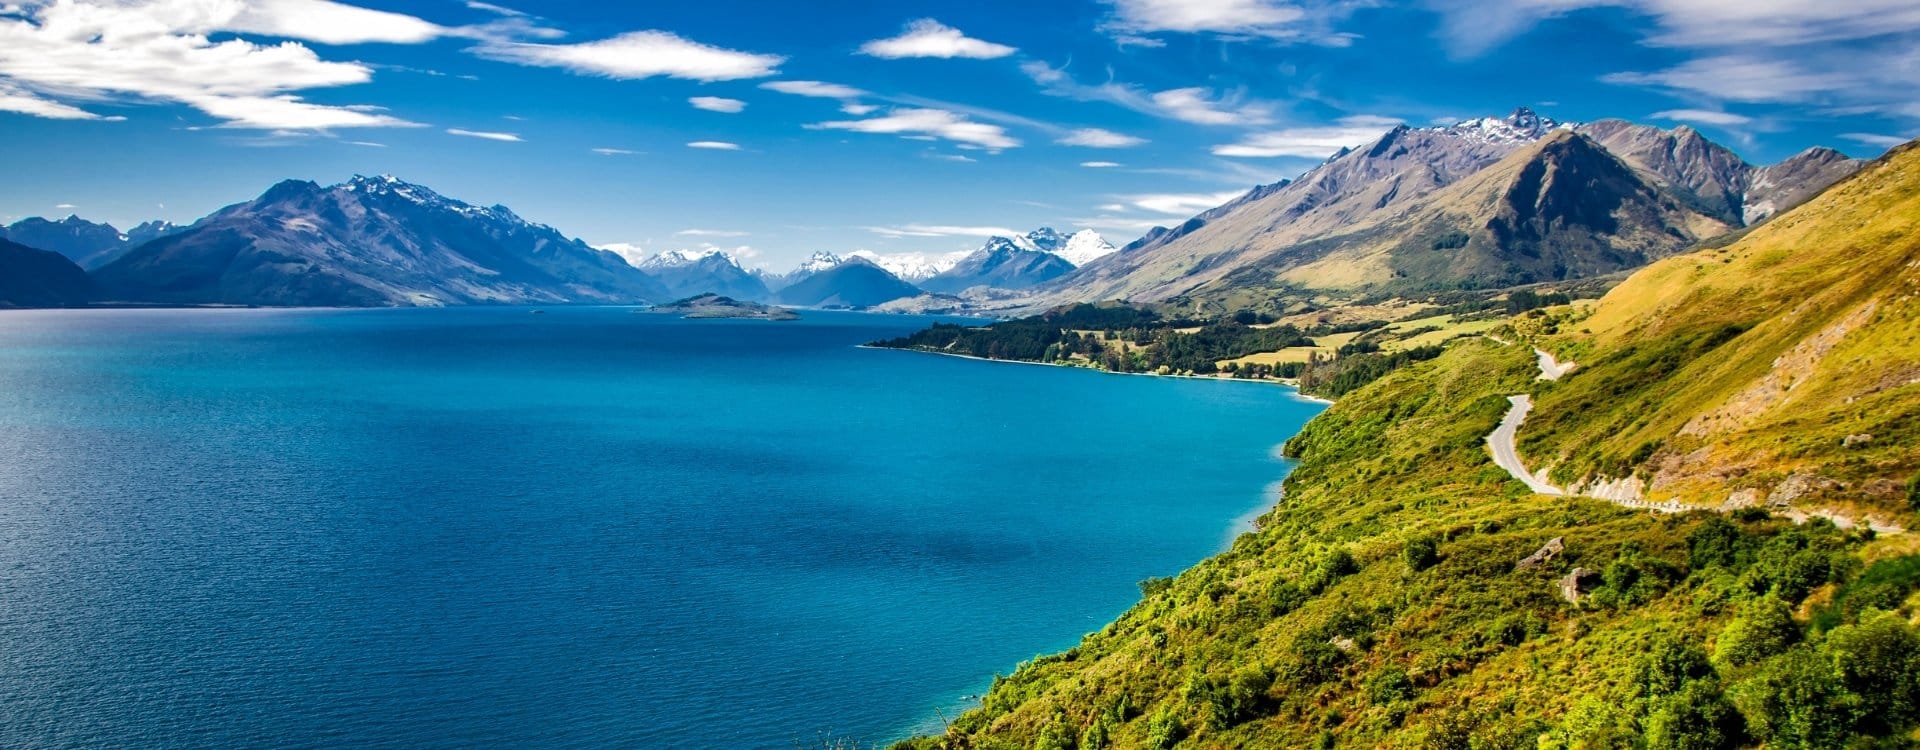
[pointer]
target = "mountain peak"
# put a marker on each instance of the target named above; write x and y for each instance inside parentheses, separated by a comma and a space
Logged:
(1522, 126)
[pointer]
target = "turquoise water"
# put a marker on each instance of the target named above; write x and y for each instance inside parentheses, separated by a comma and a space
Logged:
(586, 528)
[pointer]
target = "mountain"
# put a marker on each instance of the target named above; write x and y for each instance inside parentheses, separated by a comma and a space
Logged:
(914, 267)
(372, 241)
(1407, 592)
(850, 282)
(686, 273)
(1006, 263)
(40, 278)
(1083, 247)
(821, 260)
(84, 242)
(1713, 178)
(1353, 226)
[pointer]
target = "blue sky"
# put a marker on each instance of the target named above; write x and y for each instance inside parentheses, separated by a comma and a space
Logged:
(780, 128)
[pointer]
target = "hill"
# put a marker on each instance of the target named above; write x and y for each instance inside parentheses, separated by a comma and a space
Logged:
(1407, 592)
(853, 282)
(40, 278)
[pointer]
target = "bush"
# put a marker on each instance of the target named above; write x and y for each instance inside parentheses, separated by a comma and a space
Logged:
(1879, 660)
(1698, 717)
(1388, 685)
(1764, 628)
(1420, 552)
(1797, 700)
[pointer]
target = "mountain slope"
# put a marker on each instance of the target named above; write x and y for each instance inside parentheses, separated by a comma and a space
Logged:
(1406, 592)
(31, 277)
(373, 241)
(1400, 168)
(687, 273)
(853, 282)
(1771, 352)
(1342, 230)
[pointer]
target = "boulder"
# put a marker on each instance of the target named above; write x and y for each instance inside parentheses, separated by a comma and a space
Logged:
(1541, 556)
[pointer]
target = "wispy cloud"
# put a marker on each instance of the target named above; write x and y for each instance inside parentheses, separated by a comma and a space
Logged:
(1875, 139)
(710, 233)
(485, 135)
(820, 89)
(1100, 138)
(929, 38)
(1309, 142)
(942, 230)
(1180, 204)
(604, 151)
(1100, 164)
(717, 104)
(714, 145)
(1190, 104)
(1281, 20)
(1704, 116)
(937, 123)
(639, 54)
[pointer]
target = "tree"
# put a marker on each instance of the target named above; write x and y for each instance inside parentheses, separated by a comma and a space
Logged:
(1697, 717)
(1879, 660)
(1420, 552)
(1797, 699)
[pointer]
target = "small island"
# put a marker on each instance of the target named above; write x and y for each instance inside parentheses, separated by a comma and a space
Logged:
(716, 306)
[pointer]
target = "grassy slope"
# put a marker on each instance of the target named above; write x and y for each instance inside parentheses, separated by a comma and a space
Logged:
(1775, 347)
(1330, 627)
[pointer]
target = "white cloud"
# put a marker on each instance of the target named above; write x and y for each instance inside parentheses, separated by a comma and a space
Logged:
(714, 145)
(1705, 116)
(929, 122)
(367, 144)
(497, 9)
(1181, 204)
(961, 158)
(1742, 78)
(1100, 138)
(1473, 26)
(636, 55)
(66, 206)
(603, 151)
(1311, 142)
(1258, 17)
(710, 233)
(26, 103)
(485, 135)
(717, 104)
(929, 38)
(819, 89)
(162, 51)
(859, 110)
(943, 230)
(1194, 105)
(1100, 164)
(1875, 139)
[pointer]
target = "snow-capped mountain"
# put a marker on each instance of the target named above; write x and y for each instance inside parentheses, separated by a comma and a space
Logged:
(371, 241)
(1523, 126)
(827, 280)
(1084, 246)
(1016, 262)
(913, 266)
(84, 242)
(686, 273)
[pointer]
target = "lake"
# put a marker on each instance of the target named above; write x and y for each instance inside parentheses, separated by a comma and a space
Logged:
(582, 528)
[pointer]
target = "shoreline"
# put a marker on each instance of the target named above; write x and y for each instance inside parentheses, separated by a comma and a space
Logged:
(1294, 385)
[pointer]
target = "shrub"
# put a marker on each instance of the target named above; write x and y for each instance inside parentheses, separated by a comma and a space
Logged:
(1764, 628)
(1420, 552)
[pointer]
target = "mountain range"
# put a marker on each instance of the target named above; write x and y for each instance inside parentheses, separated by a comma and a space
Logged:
(31, 277)
(88, 244)
(371, 241)
(1481, 204)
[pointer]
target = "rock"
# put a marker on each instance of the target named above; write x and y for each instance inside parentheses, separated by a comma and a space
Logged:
(1853, 440)
(1578, 583)
(1342, 642)
(1541, 556)
(1799, 486)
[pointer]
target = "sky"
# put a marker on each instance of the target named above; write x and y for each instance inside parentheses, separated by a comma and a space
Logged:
(775, 129)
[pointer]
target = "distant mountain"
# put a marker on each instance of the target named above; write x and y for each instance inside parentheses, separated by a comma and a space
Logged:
(850, 282)
(1715, 179)
(88, 244)
(372, 241)
(1006, 263)
(914, 267)
(31, 277)
(821, 260)
(1371, 220)
(1083, 247)
(686, 273)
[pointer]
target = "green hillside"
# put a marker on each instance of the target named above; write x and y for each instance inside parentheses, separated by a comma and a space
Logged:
(1385, 601)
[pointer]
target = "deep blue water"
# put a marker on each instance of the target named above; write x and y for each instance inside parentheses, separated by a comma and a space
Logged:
(588, 528)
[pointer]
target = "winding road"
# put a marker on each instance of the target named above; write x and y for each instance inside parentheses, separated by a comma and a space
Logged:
(1500, 443)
